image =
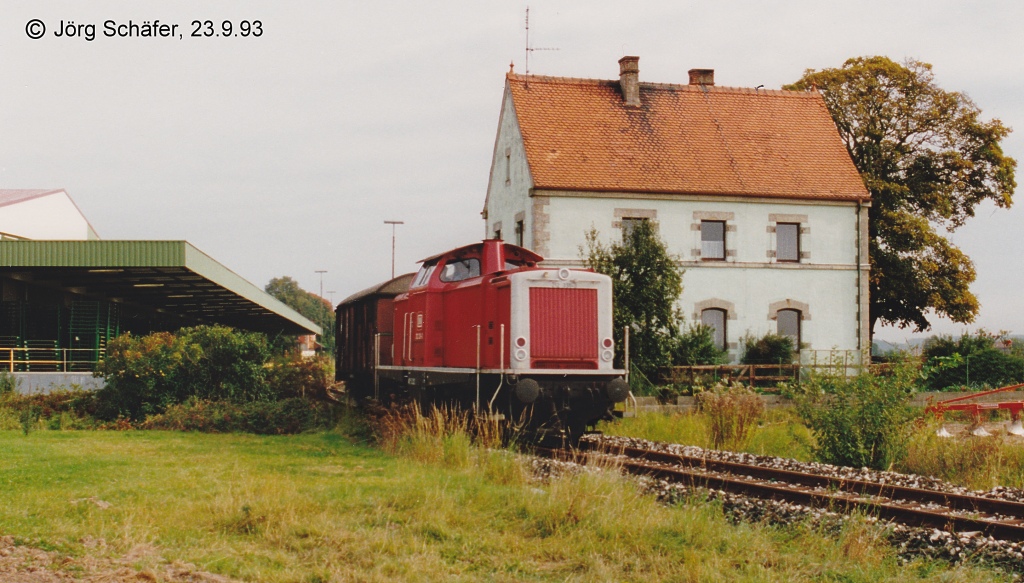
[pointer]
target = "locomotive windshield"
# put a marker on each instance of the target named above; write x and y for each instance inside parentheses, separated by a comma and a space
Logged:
(423, 275)
(460, 270)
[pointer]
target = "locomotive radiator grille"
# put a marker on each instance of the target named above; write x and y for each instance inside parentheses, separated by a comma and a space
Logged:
(563, 327)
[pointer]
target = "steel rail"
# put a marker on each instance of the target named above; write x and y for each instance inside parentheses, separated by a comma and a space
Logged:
(743, 482)
(961, 502)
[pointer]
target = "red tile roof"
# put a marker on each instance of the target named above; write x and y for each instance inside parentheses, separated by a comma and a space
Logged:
(579, 135)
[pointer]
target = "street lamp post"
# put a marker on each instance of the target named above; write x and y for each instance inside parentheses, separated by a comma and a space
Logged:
(393, 225)
(321, 272)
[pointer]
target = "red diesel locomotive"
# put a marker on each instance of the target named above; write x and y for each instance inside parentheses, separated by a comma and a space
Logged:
(484, 327)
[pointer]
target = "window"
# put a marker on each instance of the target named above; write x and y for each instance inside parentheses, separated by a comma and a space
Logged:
(460, 270)
(423, 275)
(714, 318)
(712, 240)
(497, 233)
(630, 223)
(788, 322)
(787, 242)
(519, 233)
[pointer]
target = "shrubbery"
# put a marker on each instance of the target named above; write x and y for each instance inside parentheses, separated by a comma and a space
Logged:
(286, 416)
(768, 349)
(696, 346)
(970, 361)
(861, 421)
(146, 375)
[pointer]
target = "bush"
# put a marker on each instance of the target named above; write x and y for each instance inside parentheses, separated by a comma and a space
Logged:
(861, 421)
(290, 376)
(768, 349)
(68, 409)
(970, 361)
(732, 411)
(144, 375)
(287, 416)
(696, 346)
(8, 382)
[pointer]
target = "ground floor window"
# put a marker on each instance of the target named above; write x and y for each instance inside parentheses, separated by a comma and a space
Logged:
(715, 318)
(788, 324)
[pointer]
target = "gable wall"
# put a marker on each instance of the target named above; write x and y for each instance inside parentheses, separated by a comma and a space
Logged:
(48, 217)
(508, 190)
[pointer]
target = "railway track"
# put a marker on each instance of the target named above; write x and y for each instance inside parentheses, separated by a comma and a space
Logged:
(942, 510)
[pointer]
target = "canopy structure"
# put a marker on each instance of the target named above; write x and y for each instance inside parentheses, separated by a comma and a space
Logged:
(157, 281)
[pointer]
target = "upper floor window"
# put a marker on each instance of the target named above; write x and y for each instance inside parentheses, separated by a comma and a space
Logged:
(712, 240)
(788, 324)
(458, 270)
(715, 318)
(787, 242)
(520, 228)
(629, 224)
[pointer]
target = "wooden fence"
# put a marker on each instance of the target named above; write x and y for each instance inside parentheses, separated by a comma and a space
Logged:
(763, 376)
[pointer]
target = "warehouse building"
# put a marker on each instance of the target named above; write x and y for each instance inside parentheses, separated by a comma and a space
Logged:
(64, 293)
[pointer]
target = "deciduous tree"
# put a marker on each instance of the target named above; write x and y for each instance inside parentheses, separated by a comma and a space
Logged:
(646, 282)
(928, 160)
(310, 305)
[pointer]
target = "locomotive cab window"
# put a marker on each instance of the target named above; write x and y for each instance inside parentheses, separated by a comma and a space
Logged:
(459, 270)
(423, 275)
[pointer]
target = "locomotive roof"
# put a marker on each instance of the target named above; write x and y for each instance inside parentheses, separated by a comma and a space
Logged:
(511, 252)
(391, 288)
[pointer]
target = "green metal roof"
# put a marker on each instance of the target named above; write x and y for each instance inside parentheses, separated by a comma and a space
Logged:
(168, 276)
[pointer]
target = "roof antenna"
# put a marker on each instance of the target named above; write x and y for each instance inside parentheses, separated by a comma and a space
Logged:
(530, 49)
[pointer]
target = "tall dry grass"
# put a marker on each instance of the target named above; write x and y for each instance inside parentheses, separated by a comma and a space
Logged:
(974, 462)
(732, 413)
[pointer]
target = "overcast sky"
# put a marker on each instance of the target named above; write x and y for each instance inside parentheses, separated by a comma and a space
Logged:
(283, 154)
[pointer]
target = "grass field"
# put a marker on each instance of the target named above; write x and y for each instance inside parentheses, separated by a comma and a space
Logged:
(316, 508)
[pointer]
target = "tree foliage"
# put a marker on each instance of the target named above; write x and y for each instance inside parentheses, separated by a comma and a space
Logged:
(928, 160)
(308, 304)
(973, 361)
(646, 282)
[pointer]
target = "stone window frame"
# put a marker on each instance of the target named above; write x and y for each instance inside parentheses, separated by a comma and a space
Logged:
(789, 304)
(774, 219)
(497, 230)
(519, 231)
(634, 214)
(718, 304)
(729, 218)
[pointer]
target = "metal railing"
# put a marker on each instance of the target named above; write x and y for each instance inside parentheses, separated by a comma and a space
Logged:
(49, 359)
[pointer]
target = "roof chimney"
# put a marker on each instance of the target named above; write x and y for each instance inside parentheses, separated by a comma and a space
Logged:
(629, 79)
(702, 76)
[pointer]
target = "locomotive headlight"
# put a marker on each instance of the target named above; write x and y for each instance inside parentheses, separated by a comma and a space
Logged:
(607, 355)
(520, 354)
(607, 343)
(521, 342)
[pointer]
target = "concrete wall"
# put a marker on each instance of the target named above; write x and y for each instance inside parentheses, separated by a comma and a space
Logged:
(47, 382)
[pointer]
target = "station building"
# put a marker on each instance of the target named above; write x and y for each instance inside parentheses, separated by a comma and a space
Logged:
(65, 293)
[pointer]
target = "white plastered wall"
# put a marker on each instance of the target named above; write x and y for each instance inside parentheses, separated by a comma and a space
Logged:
(510, 182)
(750, 280)
(53, 216)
